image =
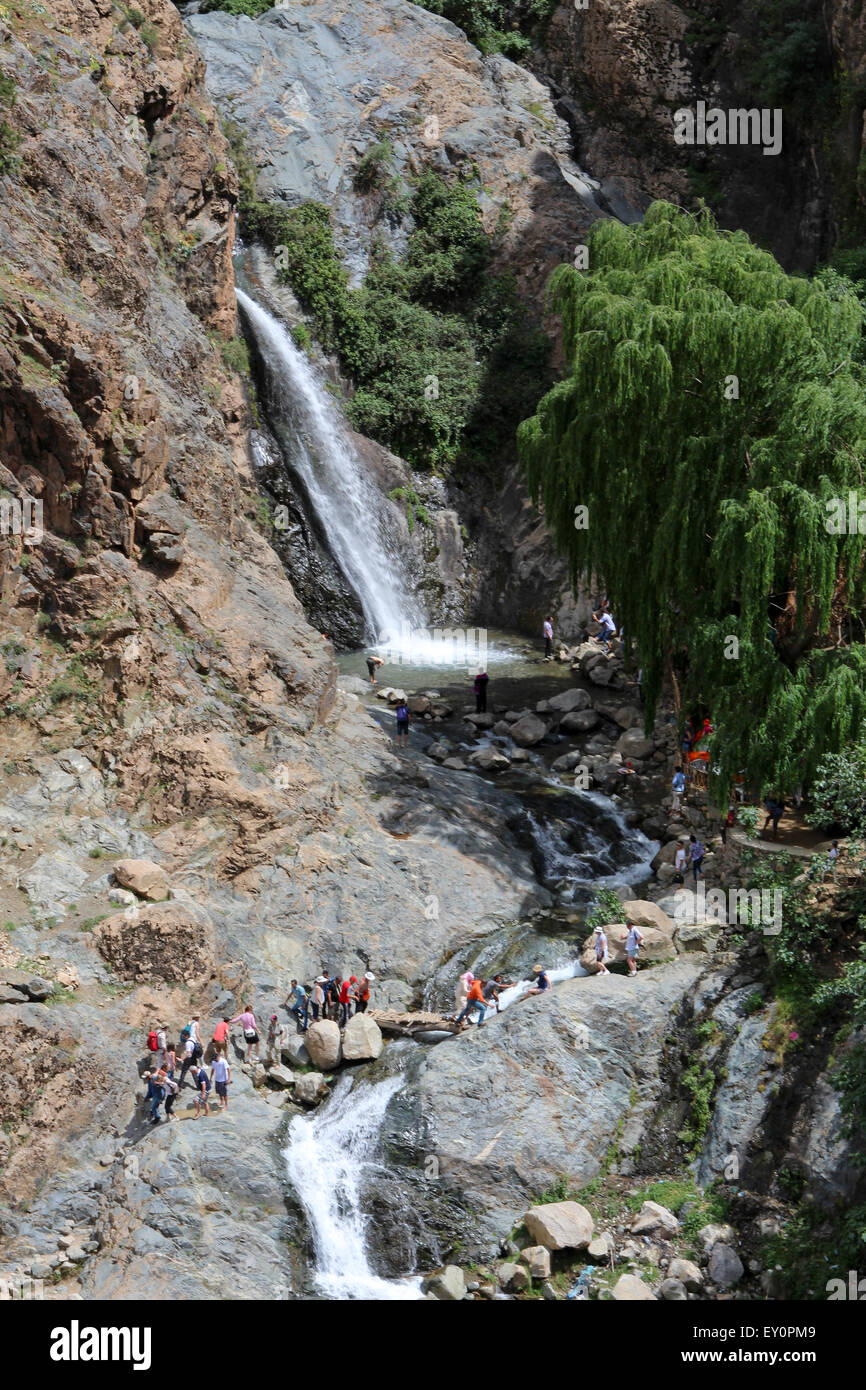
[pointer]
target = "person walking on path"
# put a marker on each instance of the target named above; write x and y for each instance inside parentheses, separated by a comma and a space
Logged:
(601, 951)
(251, 1032)
(681, 860)
(696, 856)
(402, 713)
(202, 1090)
(373, 664)
(171, 1090)
(547, 629)
(189, 1059)
(170, 1063)
(364, 992)
(474, 1004)
(461, 991)
(480, 689)
(160, 1045)
(318, 1005)
(221, 1038)
(221, 1075)
(298, 1004)
(832, 861)
(678, 786)
(276, 1033)
(155, 1094)
(633, 938)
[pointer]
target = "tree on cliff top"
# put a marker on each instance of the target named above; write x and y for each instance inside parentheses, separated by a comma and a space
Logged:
(712, 410)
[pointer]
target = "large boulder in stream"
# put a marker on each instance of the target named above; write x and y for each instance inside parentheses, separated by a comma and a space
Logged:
(362, 1039)
(528, 730)
(323, 1044)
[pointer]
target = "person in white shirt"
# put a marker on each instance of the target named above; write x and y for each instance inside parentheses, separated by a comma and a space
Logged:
(607, 628)
(221, 1075)
(548, 637)
(633, 938)
(681, 860)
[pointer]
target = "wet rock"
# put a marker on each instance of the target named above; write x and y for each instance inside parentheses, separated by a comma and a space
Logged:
(528, 731)
(632, 744)
(480, 721)
(560, 1225)
(310, 1088)
(569, 700)
(323, 1044)
(581, 722)
(489, 760)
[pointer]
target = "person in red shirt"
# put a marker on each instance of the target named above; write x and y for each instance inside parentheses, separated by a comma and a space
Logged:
(345, 1001)
(221, 1038)
(474, 1003)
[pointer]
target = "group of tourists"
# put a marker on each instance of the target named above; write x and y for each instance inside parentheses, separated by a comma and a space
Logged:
(632, 938)
(328, 997)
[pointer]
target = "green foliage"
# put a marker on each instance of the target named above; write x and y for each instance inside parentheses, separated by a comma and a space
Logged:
(236, 357)
(557, 1192)
(810, 1250)
(699, 1080)
(838, 791)
(373, 167)
(849, 1075)
(442, 354)
(607, 908)
(497, 26)
(784, 55)
(707, 514)
(253, 8)
(9, 137)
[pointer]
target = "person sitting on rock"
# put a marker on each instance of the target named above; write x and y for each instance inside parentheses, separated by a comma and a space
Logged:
(542, 982)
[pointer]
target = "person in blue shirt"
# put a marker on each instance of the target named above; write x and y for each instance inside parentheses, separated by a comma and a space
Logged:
(678, 786)
(298, 1004)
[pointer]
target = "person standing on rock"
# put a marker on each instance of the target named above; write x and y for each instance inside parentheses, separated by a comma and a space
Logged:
(601, 951)
(681, 860)
(251, 1032)
(547, 629)
(607, 628)
(221, 1075)
(493, 989)
(373, 664)
(155, 1094)
(364, 993)
(346, 999)
(633, 938)
(276, 1033)
(189, 1059)
(160, 1045)
(202, 1090)
(480, 689)
(170, 1064)
(298, 1004)
(696, 856)
(402, 713)
(678, 786)
(221, 1038)
(171, 1090)
(475, 1003)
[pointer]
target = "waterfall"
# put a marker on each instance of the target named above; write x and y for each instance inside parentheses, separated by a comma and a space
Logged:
(325, 1159)
(352, 513)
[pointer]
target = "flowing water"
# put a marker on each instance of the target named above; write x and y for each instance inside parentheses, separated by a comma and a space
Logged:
(328, 1156)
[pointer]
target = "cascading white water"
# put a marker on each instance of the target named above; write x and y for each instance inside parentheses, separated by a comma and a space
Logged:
(325, 1159)
(348, 506)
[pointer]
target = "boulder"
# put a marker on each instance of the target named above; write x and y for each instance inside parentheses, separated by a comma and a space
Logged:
(686, 1273)
(323, 1044)
(489, 760)
(143, 877)
(703, 938)
(654, 1217)
(362, 1039)
(537, 1261)
(528, 730)
(569, 700)
(560, 1225)
(480, 721)
(8, 995)
(455, 764)
(281, 1076)
(34, 987)
(725, 1266)
(628, 717)
(418, 704)
(170, 942)
(710, 1235)
(310, 1088)
(513, 1277)
(394, 696)
(599, 1248)
(448, 1285)
(656, 946)
(580, 722)
(673, 1291)
(630, 1289)
(632, 744)
(647, 914)
(294, 1051)
(602, 674)
(666, 855)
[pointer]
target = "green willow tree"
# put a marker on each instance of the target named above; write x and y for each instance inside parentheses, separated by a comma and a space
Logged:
(712, 409)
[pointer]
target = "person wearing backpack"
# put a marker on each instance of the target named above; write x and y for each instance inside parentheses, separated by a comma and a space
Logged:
(188, 1053)
(633, 938)
(402, 713)
(155, 1094)
(251, 1033)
